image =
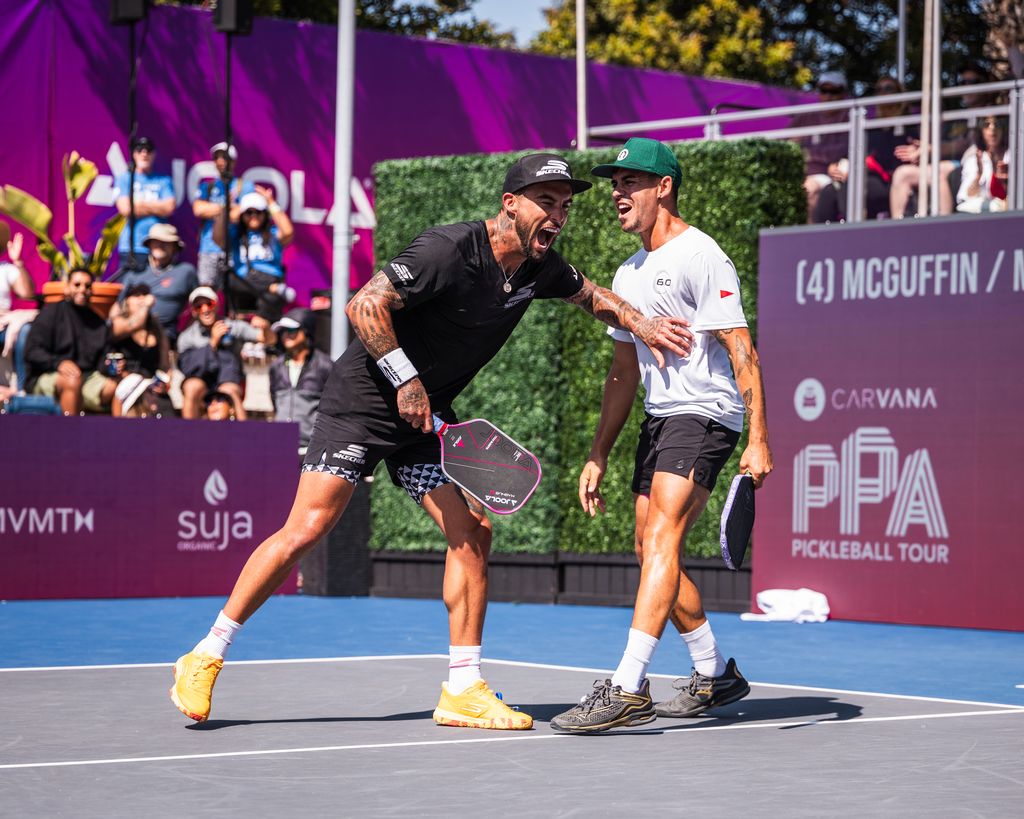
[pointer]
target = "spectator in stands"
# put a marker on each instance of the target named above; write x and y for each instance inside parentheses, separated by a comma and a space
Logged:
(824, 154)
(14, 324)
(257, 245)
(136, 334)
(219, 406)
(154, 203)
(169, 280)
(986, 167)
(209, 354)
(139, 397)
(65, 351)
(297, 378)
(957, 136)
(883, 146)
(208, 207)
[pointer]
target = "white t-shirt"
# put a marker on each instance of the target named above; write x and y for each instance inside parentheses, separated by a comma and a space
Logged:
(9, 274)
(689, 277)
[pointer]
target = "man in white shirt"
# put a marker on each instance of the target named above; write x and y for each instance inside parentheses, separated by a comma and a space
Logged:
(695, 408)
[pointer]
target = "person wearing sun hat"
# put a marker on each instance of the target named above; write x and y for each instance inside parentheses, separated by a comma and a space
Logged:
(694, 417)
(425, 324)
(168, 279)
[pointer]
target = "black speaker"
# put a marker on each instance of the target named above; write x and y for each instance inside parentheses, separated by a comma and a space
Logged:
(123, 12)
(233, 16)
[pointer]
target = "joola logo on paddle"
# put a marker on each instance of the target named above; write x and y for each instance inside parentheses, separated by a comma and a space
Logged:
(500, 498)
(211, 530)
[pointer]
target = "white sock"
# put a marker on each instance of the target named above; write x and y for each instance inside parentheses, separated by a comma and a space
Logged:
(463, 667)
(707, 659)
(633, 667)
(221, 634)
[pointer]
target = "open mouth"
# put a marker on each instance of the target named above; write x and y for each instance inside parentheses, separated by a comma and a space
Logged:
(546, 237)
(623, 208)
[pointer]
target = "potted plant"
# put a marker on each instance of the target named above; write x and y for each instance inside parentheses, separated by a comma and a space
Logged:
(79, 174)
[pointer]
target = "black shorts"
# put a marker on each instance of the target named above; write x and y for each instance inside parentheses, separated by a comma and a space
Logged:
(352, 446)
(679, 444)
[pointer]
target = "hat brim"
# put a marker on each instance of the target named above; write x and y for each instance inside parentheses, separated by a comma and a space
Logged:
(149, 239)
(606, 171)
(575, 185)
(135, 394)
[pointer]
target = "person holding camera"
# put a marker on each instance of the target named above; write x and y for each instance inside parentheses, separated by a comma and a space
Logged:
(209, 354)
(138, 340)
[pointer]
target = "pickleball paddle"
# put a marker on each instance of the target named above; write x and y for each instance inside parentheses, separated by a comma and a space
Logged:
(737, 521)
(488, 464)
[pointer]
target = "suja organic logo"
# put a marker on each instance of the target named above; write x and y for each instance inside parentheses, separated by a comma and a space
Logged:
(211, 530)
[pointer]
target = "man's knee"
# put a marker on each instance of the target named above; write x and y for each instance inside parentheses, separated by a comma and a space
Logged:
(193, 387)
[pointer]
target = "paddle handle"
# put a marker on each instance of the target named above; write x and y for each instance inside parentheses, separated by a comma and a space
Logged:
(439, 425)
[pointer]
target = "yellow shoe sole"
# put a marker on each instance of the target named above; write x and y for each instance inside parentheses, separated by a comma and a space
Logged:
(442, 717)
(177, 702)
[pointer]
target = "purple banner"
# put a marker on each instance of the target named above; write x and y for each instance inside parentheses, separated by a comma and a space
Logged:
(112, 507)
(65, 87)
(892, 354)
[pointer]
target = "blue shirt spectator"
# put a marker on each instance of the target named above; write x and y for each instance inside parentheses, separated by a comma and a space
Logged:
(154, 197)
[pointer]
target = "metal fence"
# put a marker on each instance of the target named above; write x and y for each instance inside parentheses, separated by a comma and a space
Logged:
(716, 126)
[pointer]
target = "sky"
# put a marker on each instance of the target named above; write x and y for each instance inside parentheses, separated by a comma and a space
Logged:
(524, 17)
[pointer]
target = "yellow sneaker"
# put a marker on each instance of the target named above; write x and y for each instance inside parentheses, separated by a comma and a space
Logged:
(477, 707)
(194, 676)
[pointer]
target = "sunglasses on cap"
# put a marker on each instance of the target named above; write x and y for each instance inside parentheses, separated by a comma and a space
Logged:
(203, 304)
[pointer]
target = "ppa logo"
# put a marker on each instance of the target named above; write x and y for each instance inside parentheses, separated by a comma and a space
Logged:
(867, 471)
(212, 530)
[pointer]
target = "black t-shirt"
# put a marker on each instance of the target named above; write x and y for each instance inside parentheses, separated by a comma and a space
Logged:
(455, 317)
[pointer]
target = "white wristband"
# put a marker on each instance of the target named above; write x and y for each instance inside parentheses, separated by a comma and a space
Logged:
(397, 367)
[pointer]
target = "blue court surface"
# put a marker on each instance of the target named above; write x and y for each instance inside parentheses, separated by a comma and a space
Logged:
(963, 664)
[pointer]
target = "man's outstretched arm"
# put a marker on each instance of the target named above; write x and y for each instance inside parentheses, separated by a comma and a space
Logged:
(746, 367)
(370, 312)
(659, 333)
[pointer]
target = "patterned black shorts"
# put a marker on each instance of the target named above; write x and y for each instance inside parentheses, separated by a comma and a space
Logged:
(352, 446)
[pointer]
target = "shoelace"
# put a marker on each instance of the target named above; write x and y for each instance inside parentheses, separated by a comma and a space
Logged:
(202, 668)
(602, 692)
(693, 683)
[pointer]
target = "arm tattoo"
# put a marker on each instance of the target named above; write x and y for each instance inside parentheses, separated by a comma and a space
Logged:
(370, 312)
(605, 306)
(748, 399)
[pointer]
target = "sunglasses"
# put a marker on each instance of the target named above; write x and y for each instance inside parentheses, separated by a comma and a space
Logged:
(250, 213)
(291, 331)
(830, 89)
(204, 305)
(81, 285)
(143, 149)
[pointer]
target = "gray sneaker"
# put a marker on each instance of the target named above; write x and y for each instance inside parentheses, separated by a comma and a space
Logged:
(699, 693)
(607, 706)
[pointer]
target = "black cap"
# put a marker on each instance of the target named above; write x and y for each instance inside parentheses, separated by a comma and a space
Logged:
(534, 168)
(298, 318)
(140, 289)
(143, 142)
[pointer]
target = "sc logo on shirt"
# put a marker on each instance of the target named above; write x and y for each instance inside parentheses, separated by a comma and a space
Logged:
(662, 282)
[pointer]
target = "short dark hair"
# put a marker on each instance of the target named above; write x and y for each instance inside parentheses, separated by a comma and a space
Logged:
(84, 270)
(139, 289)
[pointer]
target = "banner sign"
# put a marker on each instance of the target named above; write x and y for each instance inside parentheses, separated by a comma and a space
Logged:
(64, 86)
(116, 507)
(892, 357)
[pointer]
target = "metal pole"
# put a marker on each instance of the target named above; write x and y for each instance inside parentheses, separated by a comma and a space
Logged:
(225, 259)
(133, 127)
(1013, 195)
(852, 203)
(581, 75)
(926, 111)
(936, 106)
(342, 244)
(901, 45)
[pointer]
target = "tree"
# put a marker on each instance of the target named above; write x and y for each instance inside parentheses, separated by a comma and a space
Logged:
(715, 38)
(443, 19)
(1005, 45)
(859, 37)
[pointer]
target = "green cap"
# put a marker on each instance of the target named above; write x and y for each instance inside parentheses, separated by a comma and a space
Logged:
(642, 154)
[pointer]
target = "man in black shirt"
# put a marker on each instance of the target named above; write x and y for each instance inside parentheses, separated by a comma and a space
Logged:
(426, 324)
(65, 348)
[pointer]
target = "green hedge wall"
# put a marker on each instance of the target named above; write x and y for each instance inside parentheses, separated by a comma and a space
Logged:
(545, 386)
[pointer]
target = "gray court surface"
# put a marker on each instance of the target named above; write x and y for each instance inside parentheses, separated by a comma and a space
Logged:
(353, 737)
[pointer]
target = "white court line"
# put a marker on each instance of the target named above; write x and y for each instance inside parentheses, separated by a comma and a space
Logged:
(514, 738)
(170, 663)
(518, 663)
